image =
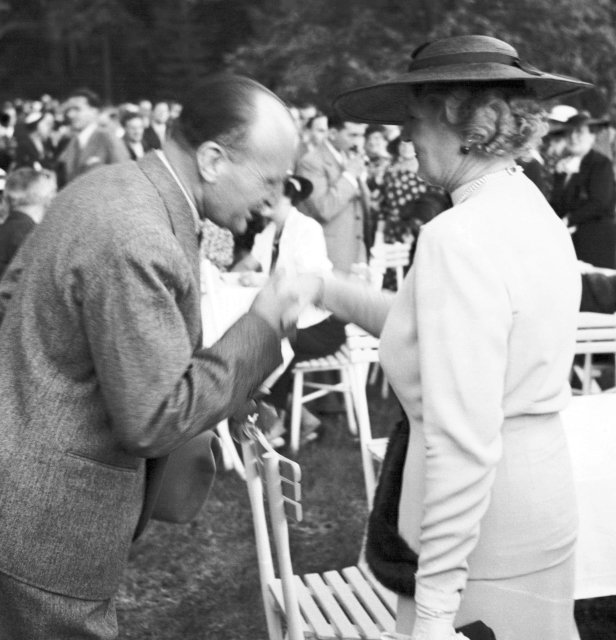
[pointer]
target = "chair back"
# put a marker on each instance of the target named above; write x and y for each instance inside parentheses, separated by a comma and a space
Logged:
(383, 256)
(596, 334)
(275, 478)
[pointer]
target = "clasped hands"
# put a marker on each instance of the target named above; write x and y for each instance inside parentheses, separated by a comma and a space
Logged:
(284, 296)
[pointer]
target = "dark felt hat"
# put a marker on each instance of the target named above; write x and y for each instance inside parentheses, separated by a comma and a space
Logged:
(458, 59)
(585, 118)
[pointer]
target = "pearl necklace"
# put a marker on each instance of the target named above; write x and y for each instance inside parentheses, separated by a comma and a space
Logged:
(467, 191)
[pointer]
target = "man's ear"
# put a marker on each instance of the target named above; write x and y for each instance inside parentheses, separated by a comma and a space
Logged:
(210, 160)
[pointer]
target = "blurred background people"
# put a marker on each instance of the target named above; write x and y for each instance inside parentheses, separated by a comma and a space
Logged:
(36, 149)
(158, 130)
(27, 195)
(340, 197)
(584, 193)
(145, 111)
(314, 134)
(91, 146)
(134, 128)
(378, 159)
(407, 200)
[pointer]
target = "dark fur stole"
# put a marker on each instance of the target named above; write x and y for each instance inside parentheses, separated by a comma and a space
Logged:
(389, 557)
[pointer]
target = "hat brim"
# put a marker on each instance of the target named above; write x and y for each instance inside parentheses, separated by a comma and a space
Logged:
(387, 102)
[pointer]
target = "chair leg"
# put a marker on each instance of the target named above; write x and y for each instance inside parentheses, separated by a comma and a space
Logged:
(349, 399)
(374, 372)
(296, 411)
(384, 386)
(365, 431)
(587, 373)
(231, 458)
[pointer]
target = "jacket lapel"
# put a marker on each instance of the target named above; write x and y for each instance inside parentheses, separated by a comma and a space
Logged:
(178, 209)
(183, 227)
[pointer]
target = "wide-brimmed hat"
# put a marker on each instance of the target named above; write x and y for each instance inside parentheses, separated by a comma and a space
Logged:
(298, 187)
(458, 59)
(585, 118)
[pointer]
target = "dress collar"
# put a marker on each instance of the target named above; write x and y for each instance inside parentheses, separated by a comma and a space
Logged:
(469, 189)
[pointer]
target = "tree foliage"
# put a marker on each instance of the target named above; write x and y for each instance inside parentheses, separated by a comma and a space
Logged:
(307, 50)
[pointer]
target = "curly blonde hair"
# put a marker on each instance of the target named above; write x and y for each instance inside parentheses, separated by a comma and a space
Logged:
(491, 119)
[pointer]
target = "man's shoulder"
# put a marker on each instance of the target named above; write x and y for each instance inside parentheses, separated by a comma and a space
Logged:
(113, 191)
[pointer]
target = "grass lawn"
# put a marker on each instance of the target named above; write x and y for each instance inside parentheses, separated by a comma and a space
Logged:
(200, 581)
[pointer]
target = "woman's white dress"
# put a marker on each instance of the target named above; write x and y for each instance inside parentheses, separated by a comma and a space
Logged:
(478, 346)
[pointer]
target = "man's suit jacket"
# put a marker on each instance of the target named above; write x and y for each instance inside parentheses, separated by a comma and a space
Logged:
(102, 148)
(12, 234)
(131, 151)
(337, 204)
(152, 139)
(102, 368)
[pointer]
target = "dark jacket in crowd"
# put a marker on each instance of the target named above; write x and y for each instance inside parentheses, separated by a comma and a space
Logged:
(588, 199)
(12, 233)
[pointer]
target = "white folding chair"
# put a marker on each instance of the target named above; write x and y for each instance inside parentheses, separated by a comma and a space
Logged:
(383, 256)
(351, 362)
(346, 604)
(390, 255)
(305, 390)
(596, 334)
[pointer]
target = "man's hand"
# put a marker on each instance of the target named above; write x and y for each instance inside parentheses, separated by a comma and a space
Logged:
(355, 165)
(278, 303)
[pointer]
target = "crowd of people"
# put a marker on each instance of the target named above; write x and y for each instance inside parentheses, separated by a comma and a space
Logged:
(103, 370)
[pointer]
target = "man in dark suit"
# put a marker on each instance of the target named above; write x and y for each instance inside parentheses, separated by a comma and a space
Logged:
(28, 193)
(133, 135)
(156, 133)
(91, 146)
(102, 364)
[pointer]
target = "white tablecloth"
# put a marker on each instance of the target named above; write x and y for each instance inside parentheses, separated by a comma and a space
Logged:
(590, 425)
(223, 301)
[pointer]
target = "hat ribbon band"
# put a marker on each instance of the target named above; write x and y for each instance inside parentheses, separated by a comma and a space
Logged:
(475, 57)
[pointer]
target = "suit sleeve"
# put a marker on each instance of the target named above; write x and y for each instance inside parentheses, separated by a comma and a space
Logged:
(463, 320)
(328, 199)
(159, 390)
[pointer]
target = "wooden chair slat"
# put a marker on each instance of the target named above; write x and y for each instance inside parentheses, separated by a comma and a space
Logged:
(353, 607)
(309, 609)
(389, 598)
(337, 617)
(276, 591)
(366, 594)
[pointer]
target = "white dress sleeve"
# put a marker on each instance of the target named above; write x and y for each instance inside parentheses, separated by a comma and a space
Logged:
(464, 317)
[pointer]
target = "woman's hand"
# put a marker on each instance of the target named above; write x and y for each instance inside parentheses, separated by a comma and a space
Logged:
(278, 303)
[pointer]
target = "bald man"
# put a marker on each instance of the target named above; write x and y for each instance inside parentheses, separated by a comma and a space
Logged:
(103, 373)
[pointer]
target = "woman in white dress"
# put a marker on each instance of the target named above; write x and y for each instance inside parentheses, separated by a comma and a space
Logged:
(477, 346)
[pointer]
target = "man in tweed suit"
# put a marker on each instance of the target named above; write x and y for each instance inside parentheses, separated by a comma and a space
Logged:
(102, 369)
